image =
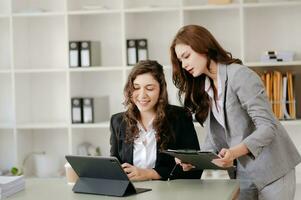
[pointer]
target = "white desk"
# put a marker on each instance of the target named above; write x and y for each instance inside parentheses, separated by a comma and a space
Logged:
(58, 189)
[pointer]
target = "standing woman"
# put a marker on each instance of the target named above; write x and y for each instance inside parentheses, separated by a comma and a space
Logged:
(230, 100)
(150, 125)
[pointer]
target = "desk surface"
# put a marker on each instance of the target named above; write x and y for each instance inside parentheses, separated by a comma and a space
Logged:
(57, 189)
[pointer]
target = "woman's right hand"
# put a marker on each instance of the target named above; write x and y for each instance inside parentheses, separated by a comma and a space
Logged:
(185, 166)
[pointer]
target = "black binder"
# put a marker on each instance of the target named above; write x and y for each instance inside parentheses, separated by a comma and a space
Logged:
(89, 53)
(76, 110)
(101, 175)
(132, 53)
(88, 110)
(142, 49)
(74, 59)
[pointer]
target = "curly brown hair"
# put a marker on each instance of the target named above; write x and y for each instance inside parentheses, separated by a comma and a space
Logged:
(132, 114)
(193, 88)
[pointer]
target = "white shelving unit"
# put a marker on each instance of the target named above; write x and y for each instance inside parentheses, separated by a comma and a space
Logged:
(37, 84)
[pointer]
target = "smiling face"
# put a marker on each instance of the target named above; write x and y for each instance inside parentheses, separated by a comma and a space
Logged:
(193, 62)
(146, 92)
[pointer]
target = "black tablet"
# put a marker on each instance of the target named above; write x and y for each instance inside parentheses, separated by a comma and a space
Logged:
(101, 175)
(200, 159)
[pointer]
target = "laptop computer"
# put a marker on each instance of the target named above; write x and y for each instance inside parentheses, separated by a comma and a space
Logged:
(101, 175)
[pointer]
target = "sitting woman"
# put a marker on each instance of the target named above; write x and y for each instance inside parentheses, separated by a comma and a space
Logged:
(150, 125)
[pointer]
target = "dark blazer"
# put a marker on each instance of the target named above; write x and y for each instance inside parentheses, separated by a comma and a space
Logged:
(180, 123)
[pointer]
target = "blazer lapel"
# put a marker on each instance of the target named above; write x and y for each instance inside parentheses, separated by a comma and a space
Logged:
(128, 152)
(224, 82)
(214, 126)
(127, 148)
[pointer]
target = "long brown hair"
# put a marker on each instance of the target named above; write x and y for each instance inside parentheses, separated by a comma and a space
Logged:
(132, 114)
(193, 89)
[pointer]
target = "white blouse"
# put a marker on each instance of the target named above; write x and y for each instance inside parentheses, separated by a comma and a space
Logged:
(217, 109)
(145, 147)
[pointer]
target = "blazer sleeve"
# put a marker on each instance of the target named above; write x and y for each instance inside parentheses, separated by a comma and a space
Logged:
(250, 91)
(114, 137)
(186, 138)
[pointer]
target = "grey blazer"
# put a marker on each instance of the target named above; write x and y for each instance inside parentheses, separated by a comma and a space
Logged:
(249, 119)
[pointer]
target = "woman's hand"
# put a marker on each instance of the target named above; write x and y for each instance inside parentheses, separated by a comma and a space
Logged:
(226, 158)
(185, 166)
(139, 174)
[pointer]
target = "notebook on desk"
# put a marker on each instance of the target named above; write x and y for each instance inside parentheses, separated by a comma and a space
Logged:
(101, 175)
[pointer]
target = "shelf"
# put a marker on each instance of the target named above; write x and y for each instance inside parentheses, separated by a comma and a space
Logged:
(41, 97)
(5, 71)
(6, 126)
(31, 144)
(90, 84)
(97, 125)
(129, 67)
(95, 69)
(158, 29)
(5, 53)
(93, 12)
(4, 16)
(4, 7)
(151, 4)
(7, 152)
(32, 126)
(98, 6)
(40, 42)
(216, 21)
(286, 123)
(150, 9)
(37, 14)
(268, 64)
(274, 37)
(37, 6)
(91, 27)
(93, 136)
(212, 7)
(271, 4)
(44, 70)
(6, 101)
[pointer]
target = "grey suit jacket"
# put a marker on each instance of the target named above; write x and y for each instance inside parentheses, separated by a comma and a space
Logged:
(249, 119)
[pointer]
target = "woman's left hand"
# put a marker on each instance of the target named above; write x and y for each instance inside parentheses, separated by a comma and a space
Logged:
(226, 158)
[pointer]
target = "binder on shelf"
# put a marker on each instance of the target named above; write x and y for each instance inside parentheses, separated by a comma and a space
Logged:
(280, 92)
(142, 49)
(76, 110)
(74, 59)
(131, 51)
(277, 91)
(89, 53)
(291, 97)
(88, 116)
(284, 98)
